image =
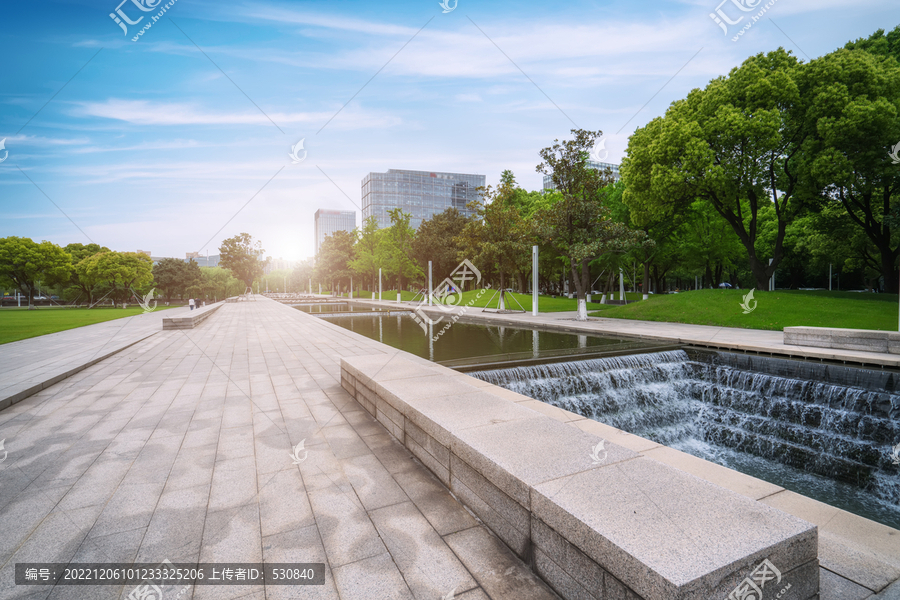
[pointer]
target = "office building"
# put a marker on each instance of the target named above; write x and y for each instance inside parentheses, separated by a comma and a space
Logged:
(329, 221)
(548, 182)
(422, 194)
(202, 259)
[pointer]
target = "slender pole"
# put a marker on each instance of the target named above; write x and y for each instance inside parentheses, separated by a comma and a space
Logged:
(429, 283)
(379, 287)
(534, 284)
(351, 287)
(772, 280)
(829, 277)
(310, 285)
(621, 285)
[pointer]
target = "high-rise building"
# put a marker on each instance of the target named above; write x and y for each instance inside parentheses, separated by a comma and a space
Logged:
(329, 221)
(422, 194)
(593, 164)
(202, 259)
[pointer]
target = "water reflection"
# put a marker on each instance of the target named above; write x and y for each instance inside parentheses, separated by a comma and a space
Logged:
(469, 340)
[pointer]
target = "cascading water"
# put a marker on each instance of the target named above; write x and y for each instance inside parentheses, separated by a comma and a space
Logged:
(824, 439)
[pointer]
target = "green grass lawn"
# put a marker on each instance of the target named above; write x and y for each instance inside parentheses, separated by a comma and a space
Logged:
(774, 310)
(545, 303)
(21, 323)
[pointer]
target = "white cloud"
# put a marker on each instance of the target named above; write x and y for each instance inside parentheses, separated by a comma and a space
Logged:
(145, 112)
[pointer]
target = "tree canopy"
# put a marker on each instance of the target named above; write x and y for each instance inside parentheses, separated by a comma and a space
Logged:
(243, 257)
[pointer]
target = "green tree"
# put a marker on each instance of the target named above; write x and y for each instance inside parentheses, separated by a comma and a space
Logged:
(24, 264)
(578, 226)
(124, 273)
(243, 257)
(396, 250)
(497, 240)
(299, 279)
(854, 119)
(333, 260)
(79, 252)
(174, 276)
(879, 43)
(734, 145)
(219, 283)
(436, 241)
(365, 262)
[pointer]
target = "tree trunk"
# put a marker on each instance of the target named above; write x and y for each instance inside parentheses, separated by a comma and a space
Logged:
(580, 284)
(645, 285)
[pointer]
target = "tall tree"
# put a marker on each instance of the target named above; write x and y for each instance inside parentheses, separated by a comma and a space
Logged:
(24, 264)
(854, 117)
(335, 254)
(79, 252)
(436, 241)
(243, 257)
(396, 250)
(174, 276)
(734, 144)
(497, 240)
(578, 226)
(301, 275)
(123, 273)
(365, 261)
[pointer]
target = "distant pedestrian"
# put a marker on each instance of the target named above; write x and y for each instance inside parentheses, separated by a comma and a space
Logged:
(191, 303)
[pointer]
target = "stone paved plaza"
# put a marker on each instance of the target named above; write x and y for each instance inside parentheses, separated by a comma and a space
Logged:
(180, 447)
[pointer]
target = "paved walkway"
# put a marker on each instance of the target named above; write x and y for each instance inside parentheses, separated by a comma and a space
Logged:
(179, 447)
(28, 366)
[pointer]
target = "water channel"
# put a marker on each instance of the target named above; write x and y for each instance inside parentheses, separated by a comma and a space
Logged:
(823, 431)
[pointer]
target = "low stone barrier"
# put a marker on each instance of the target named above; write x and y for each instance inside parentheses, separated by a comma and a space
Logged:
(866, 340)
(593, 519)
(190, 319)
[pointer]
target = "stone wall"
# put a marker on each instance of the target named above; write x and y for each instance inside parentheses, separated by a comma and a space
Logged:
(593, 519)
(867, 340)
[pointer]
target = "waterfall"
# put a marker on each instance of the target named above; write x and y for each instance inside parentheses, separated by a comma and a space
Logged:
(822, 426)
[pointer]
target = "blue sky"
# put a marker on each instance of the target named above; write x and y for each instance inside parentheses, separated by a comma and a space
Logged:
(180, 139)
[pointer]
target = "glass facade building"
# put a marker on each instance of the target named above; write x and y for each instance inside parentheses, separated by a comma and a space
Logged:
(422, 194)
(548, 183)
(329, 221)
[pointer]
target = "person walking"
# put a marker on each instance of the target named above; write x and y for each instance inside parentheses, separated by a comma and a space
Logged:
(191, 303)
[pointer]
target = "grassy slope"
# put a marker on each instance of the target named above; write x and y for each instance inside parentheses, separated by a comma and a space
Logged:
(21, 323)
(774, 310)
